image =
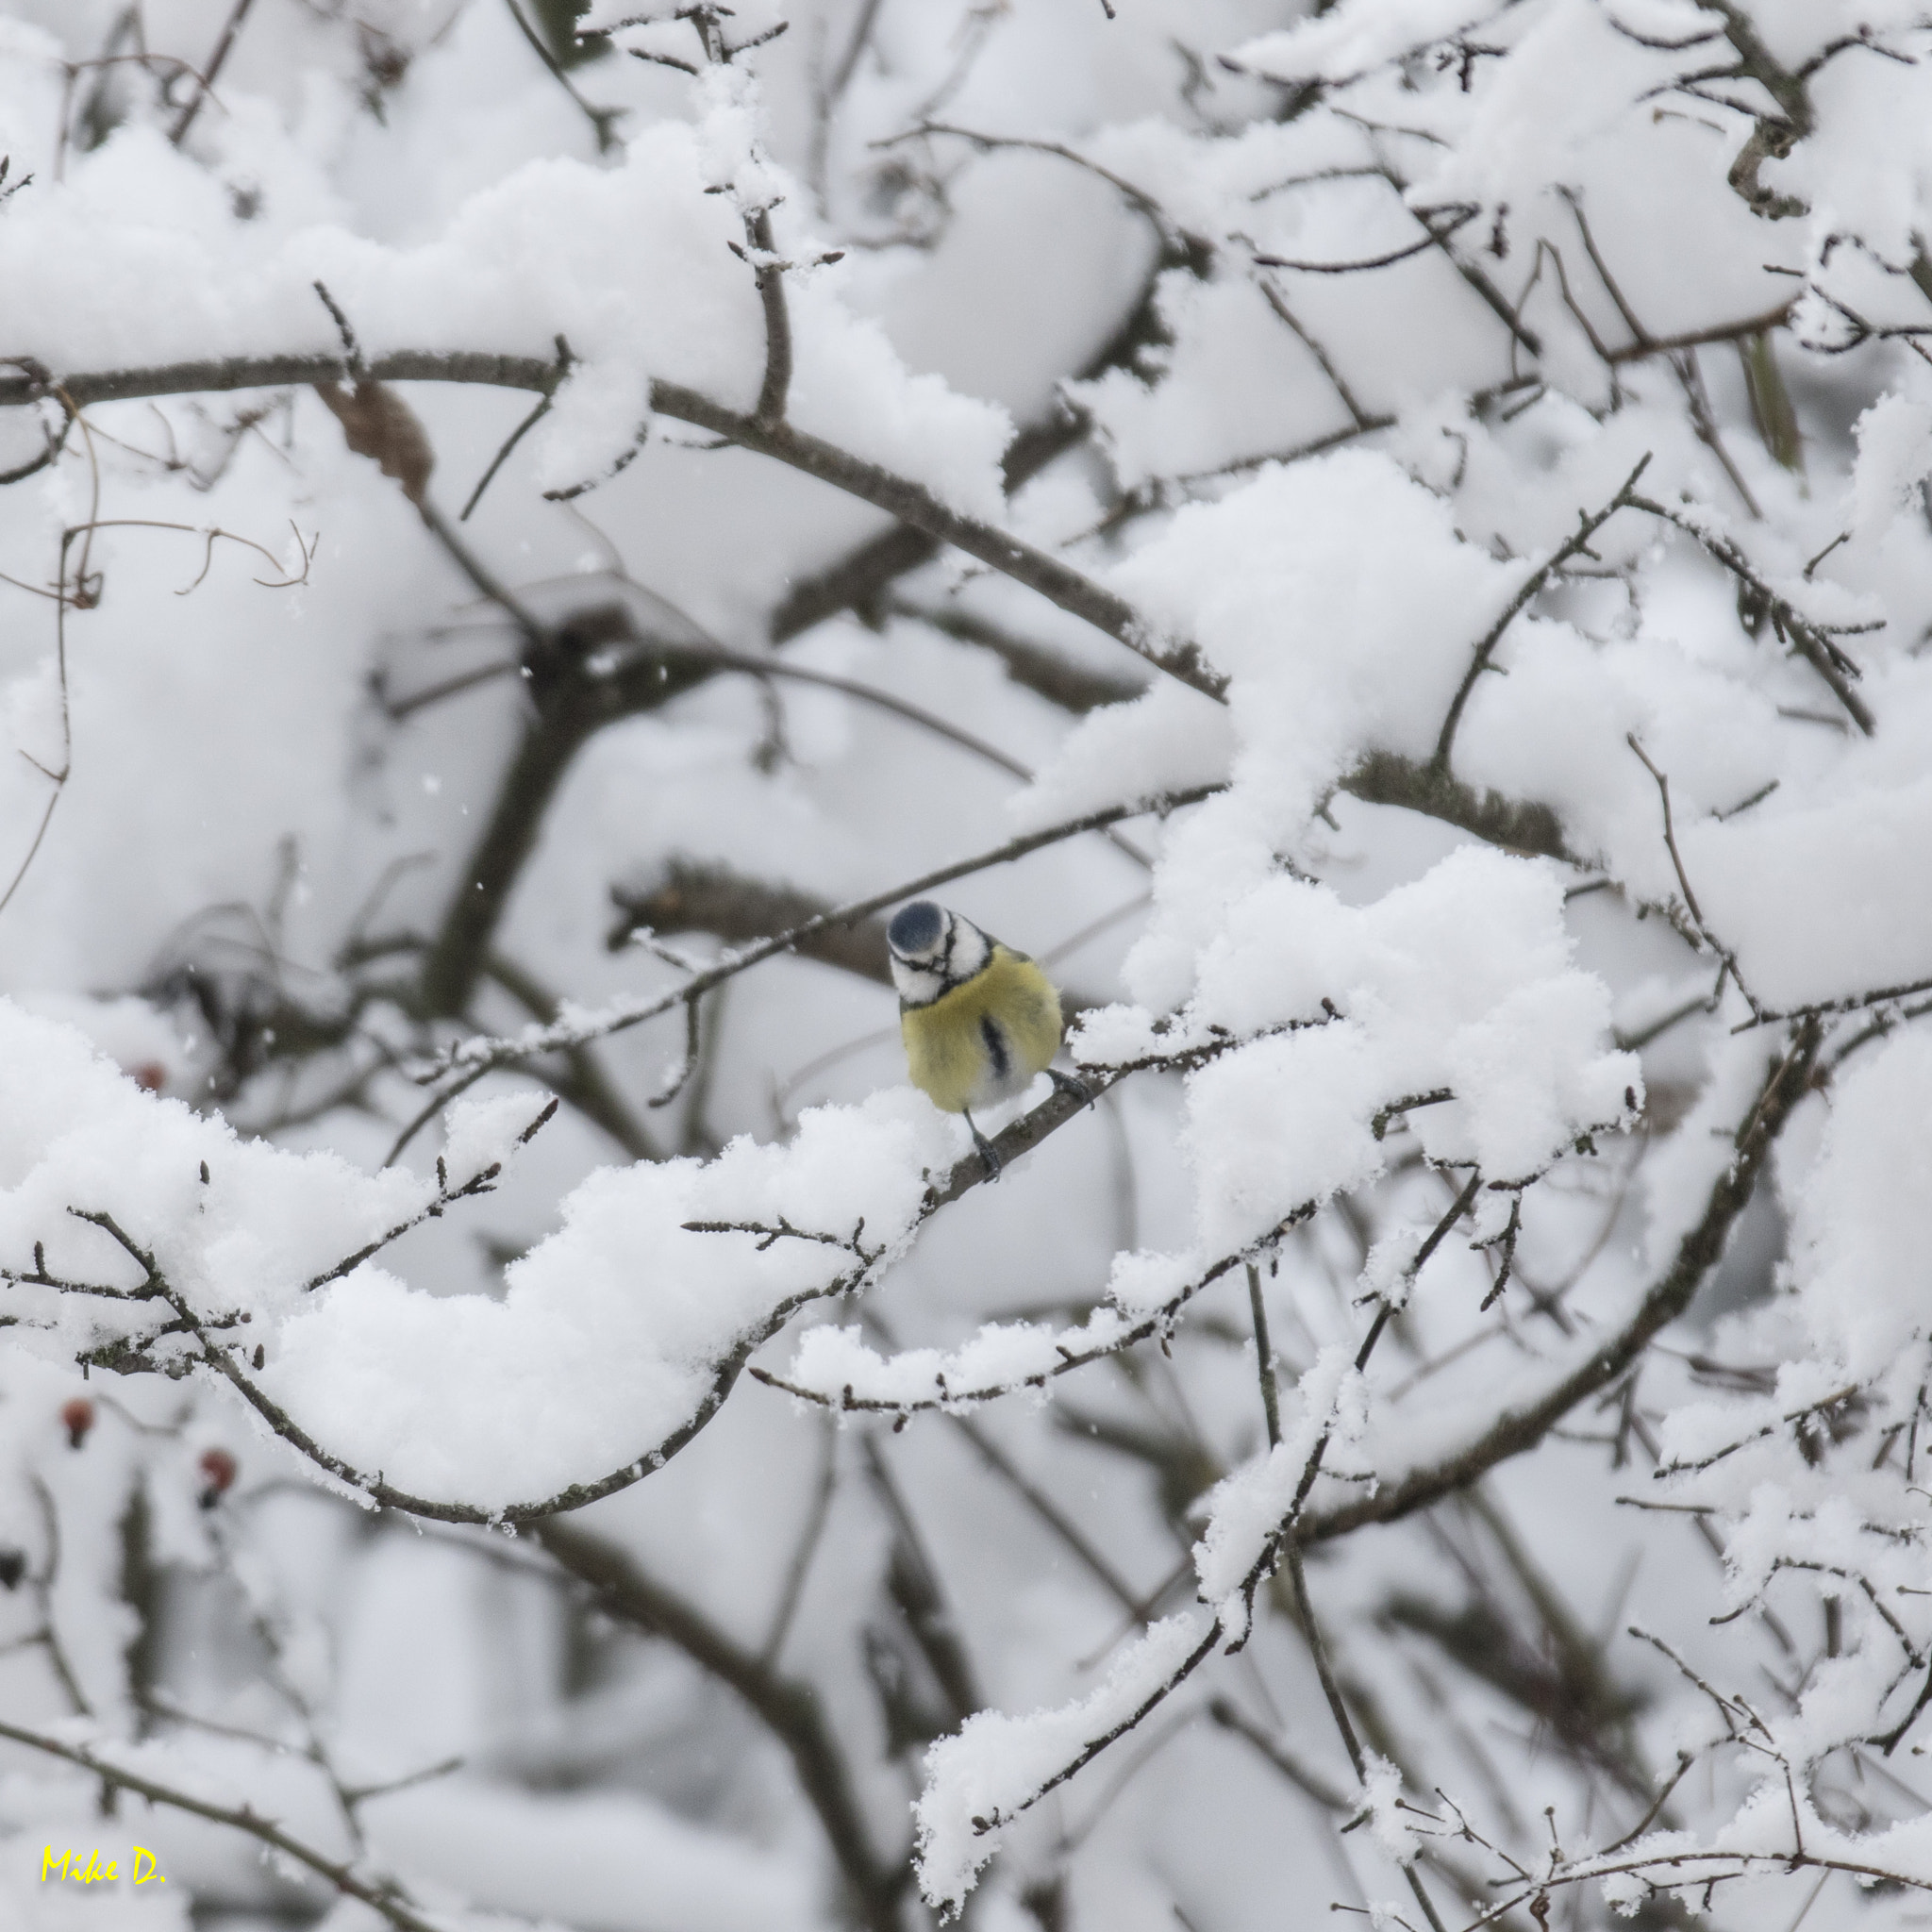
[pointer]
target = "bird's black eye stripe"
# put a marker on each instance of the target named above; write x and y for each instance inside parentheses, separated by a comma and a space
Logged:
(996, 1048)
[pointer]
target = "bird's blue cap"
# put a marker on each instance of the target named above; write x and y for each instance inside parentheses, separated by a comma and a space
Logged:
(916, 928)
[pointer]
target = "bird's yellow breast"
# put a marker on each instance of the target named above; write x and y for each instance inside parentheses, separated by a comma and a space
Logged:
(986, 1038)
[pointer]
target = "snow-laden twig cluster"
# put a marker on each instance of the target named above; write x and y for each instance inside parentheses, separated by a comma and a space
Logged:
(1455, 475)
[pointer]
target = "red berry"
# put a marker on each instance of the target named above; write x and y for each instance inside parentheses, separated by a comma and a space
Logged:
(151, 1076)
(78, 1413)
(218, 1472)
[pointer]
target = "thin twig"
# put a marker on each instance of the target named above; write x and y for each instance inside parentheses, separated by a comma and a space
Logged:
(1431, 238)
(206, 80)
(383, 1896)
(1574, 546)
(564, 360)
(1050, 1513)
(1816, 642)
(792, 1590)
(601, 119)
(1264, 1357)
(1701, 931)
(478, 1055)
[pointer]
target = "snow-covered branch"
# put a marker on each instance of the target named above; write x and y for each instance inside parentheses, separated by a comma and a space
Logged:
(1410, 520)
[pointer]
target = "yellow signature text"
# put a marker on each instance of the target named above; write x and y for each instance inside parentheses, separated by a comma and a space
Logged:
(94, 1869)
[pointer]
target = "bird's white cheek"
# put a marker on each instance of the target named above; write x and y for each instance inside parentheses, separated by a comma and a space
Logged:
(917, 985)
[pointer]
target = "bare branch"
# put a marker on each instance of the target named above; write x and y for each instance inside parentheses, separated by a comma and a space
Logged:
(1576, 544)
(769, 273)
(381, 1895)
(789, 1708)
(564, 360)
(912, 502)
(204, 80)
(1433, 236)
(689, 896)
(603, 120)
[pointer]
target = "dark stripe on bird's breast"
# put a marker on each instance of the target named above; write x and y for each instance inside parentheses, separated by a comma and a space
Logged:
(997, 1050)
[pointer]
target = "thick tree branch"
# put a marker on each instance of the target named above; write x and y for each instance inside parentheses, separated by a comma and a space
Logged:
(1647, 345)
(792, 1711)
(1061, 681)
(687, 896)
(219, 375)
(573, 702)
(913, 504)
(900, 496)
(1516, 825)
(856, 580)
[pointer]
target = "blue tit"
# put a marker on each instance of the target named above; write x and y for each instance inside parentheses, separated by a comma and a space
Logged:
(980, 1020)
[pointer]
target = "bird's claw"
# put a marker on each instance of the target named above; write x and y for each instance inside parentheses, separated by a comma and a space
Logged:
(985, 1149)
(1066, 1083)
